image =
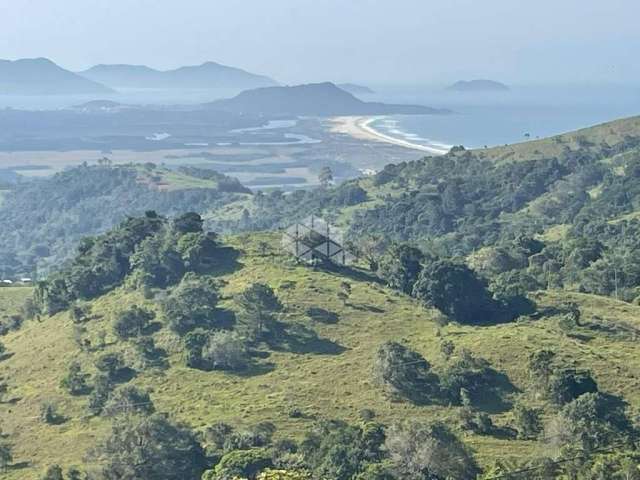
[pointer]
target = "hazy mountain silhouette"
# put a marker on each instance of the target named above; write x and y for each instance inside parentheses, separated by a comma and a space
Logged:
(355, 88)
(207, 75)
(478, 86)
(319, 99)
(40, 76)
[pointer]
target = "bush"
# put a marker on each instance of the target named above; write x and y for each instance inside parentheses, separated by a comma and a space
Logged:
(127, 400)
(49, 413)
(225, 351)
(149, 447)
(405, 373)
(240, 463)
(75, 381)
(102, 387)
(568, 384)
(111, 364)
(527, 421)
(400, 267)
(259, 304)
(191, 304)
(132, 322)
(419, 450)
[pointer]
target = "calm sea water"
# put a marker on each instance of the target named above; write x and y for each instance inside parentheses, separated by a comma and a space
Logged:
(499, 118)
(478, 119)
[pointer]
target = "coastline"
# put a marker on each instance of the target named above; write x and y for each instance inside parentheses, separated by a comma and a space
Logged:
(360, 127)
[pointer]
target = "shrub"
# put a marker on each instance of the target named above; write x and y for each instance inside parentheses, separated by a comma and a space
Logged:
(240, 463)
(102, 387)
(149, 447)
(259, 304)
(54, 472)
(75, 381)
(527, 421)
(566, 385)
(111, 364)
(132, 322)
(191, 304)
(225, 351)
(405, 373)
(49, 413)
(419, 450)
(127, 400)
(400, 267)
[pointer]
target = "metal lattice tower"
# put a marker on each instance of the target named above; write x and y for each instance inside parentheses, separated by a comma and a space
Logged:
(314, 239)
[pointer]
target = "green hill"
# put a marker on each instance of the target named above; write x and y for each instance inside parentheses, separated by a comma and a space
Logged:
(494, 307)
(320, 370)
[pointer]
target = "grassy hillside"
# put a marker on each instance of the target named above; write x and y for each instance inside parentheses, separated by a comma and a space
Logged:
(610, 133)
(326, 377)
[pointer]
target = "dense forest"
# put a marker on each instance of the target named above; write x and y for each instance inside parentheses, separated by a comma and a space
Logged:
(44, 220)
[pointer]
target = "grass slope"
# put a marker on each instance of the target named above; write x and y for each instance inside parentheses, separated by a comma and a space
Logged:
(611, 133)
(329, 377)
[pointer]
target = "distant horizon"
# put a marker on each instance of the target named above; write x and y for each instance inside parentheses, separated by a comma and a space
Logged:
(361, 81)
(407, 42)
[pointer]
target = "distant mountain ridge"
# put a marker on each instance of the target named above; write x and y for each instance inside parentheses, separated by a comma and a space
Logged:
(206, 75)
(478, 86)
(41, 76)
(356, 89)
(317, 99)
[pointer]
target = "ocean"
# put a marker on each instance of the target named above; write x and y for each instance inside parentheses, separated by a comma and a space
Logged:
(490, 119)
(478, 119)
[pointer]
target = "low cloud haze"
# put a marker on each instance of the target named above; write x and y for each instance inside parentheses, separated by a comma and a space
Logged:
(405, 41)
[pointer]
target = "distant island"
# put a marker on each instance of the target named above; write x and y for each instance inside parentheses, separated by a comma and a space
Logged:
(207, 75)
(316, 99)
(356, 89)
(40, 76)
(478, 86)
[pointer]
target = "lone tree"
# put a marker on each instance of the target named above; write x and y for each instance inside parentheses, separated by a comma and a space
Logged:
(325, 176)
(259, 304)
(405, 373)
(345, 292)
(457, 291)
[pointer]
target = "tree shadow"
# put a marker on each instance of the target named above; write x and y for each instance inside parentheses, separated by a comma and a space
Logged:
(492, 398)
(152, 328)
(503, 433)
(124, 375)
(366, 308)
(58, 419)
(352, 273)
(226, 262)
(321, 315)
(225, 319)
(300, 339)
(19, 465)
(6, 356)
(255, 369)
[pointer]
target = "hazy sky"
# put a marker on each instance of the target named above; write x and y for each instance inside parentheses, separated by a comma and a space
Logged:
(374, 41)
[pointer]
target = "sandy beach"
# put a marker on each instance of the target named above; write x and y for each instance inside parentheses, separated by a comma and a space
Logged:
(360, 127)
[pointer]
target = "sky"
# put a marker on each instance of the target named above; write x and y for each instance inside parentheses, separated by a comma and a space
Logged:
(410, 42)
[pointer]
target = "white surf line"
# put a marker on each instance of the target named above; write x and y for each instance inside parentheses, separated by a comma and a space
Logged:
(365, 125)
